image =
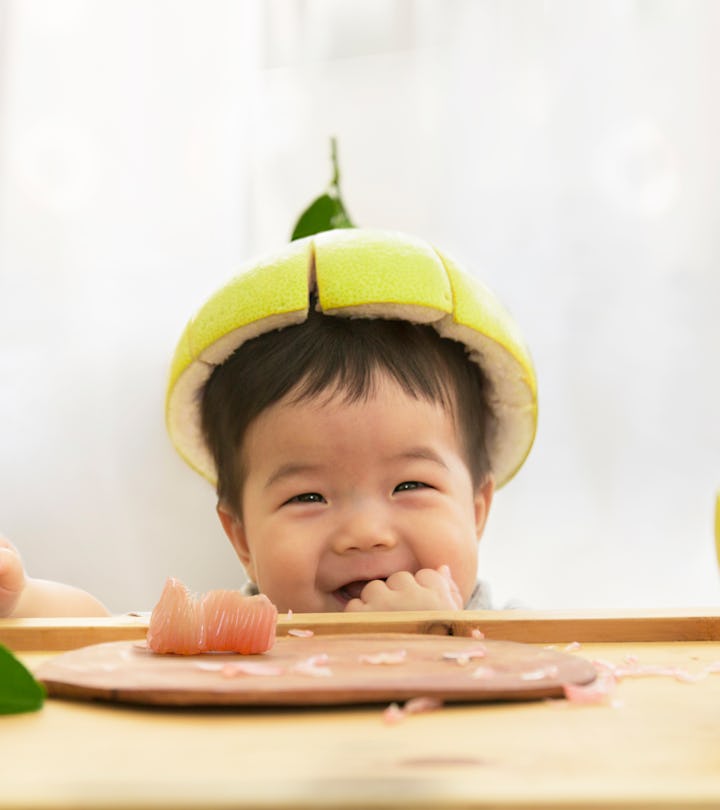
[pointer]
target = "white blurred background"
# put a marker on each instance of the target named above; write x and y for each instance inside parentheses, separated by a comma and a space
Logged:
(568, 152)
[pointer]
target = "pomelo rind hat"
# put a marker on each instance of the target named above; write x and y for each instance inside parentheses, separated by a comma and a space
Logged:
(365, 273)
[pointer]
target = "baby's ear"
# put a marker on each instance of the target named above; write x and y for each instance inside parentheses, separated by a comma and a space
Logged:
(235, 531)
(483, 498)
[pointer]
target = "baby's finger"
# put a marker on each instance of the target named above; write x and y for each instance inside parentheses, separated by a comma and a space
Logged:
(356, 606)
(381, 594)
(440, 580)
(12, 575)
(400, 580)
(5, 543)
(431, 578)
(12, 580)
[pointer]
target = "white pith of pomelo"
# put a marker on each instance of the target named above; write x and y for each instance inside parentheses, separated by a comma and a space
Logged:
(358, 273)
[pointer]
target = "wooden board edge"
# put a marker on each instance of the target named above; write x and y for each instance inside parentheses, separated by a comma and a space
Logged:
(55, 635)
(542, 627)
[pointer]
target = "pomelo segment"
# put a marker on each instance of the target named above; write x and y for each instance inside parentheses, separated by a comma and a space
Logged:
(237, 623)
(359, 273)
(219, 621)
(269, 293)
(176, 623)
(378, 274)
(494, 342)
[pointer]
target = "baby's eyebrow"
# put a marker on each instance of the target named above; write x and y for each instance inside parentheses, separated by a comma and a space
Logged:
(290, 469)
(424, 454)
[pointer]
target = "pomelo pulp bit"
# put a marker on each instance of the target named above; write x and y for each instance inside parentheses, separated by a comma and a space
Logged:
(219, 621)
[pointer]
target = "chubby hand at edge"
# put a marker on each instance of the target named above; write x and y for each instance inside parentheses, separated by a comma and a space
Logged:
(428, 589)
(12, 577)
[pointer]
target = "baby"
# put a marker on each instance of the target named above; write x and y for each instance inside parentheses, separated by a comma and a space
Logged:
(356, 399)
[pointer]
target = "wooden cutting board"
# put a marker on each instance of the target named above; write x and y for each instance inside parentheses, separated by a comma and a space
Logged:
(319, 670)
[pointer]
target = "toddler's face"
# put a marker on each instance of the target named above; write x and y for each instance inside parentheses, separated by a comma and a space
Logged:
(338, 494)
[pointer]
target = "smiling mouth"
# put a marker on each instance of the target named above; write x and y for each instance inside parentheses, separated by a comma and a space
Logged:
(352, 590)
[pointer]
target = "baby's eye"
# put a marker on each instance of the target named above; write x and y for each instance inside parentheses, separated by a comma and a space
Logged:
(307, 497)
(408, 485)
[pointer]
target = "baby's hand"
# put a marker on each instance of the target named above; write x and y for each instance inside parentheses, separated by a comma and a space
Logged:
(428, 589)
(12, 577)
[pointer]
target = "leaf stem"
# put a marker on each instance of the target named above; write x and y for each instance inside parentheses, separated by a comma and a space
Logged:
(335, 182)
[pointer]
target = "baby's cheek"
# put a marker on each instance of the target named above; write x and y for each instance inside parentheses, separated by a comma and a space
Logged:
(464, 575)
(466, 589)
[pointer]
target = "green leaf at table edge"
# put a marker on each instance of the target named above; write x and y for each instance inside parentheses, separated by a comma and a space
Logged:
(19, 691)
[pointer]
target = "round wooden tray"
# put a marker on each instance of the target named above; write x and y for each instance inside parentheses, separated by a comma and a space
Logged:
(320, 670)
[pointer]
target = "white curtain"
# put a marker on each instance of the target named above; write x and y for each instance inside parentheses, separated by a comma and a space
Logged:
(566, 152)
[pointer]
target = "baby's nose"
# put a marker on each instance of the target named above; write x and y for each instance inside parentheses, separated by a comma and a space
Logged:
(364, 529)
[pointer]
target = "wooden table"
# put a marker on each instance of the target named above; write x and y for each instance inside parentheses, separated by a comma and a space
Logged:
(657, 746)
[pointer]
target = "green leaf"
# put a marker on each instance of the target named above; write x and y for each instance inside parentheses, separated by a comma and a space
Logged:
(19, 691)
(323, 214)
(327, 212)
